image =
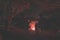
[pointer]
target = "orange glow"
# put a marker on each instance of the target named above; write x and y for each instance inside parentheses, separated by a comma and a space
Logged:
(32, 25)
(33, 28)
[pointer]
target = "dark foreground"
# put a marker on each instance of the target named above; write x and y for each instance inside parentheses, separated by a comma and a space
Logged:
(20, 34)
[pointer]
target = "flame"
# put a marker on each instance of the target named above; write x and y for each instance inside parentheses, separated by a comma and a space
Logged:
(32, 25)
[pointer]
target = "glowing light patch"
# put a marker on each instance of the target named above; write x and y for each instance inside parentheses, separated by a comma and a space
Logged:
(32, 25)
(33, 29)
